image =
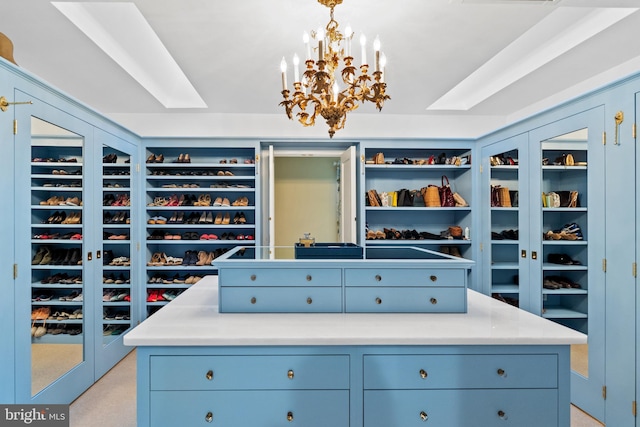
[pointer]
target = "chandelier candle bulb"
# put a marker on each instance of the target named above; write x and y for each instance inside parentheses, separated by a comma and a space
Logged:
(348, 35)
(305, 40)
(283, 68)
(296, 69)
(320, 35)
(383, 63)
(363, 45)
(376, 49)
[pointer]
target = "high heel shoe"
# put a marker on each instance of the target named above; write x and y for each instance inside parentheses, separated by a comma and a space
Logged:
(151, 158)
(180, 158)
(159, 159)
(218, 219)
(209, 218)
(226, 219)
(187, 158)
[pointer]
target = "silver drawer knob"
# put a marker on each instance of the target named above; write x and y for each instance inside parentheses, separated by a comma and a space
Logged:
(378, 278)
(309, 300)
(209, 375)
(502, 415)
(309, 278)
(378, 300)
(253, 300)
(209, 417)
(290, 374)
(423, 374)
(289, 416)
(253, 277)
(501, 372)
(433, 278)
(424, 416)
(434, 301)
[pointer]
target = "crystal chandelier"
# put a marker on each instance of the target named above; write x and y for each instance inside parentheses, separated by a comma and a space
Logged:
(318, 88)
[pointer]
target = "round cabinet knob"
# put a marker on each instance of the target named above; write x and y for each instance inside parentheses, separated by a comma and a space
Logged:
(253, 300)
(378, 278)
(502, 415)
(309, 278)
(289, 416)
(433, 278)
(253, 277)
(378, 300)
(501, 372)
(434, 301)
(309, 300)
(423, 374)
(424, 416)
(209, 417)
(209, 375)
(290, 374)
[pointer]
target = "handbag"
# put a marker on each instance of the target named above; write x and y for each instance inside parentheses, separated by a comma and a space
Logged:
(460, 201)
(431, 196)
(504, 197)
(495, 196)
(405, 198)
(418, 199)
(513, 194)
(446, 195)
(378, 159)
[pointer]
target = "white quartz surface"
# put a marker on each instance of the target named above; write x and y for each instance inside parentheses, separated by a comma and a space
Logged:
(192, 319)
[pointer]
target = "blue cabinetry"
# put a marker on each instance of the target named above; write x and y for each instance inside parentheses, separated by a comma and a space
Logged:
(200, 202)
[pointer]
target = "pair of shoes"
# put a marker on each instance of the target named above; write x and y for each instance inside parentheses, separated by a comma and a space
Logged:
(221, 202)
(73, 218)
(155, 159)
(241, 201)
(183, 158)
(451, 250)
(239, 218)
(110, 158)
(563, 259)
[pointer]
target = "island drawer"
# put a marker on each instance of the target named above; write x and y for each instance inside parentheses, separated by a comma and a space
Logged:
(249, 372)
(280, 276)
(460, 371)
(405, 300)
(264, 299)
(308, 408)
(461, 408)
(441, 277)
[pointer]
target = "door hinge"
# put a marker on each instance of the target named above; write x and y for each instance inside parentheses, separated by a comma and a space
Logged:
(15, 126)
(604, 138)
(604, 392)
(481, 247)
(15, 271)
(138, 167)
(634, 408)
(633, 131)
(634, 269)
(604, 265)
(480, 168)
(137, 246)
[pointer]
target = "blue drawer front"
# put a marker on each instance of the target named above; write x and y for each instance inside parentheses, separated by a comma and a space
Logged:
(460, 371)
(280, 300)
(280, 277)
(249, 372)
(405, 277)
(308, 408)
(461, 408)
(405, 300)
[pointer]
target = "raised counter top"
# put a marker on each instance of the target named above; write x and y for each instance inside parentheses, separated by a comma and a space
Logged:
(192, 319)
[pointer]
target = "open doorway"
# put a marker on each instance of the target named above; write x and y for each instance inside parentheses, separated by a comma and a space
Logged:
(309, 191)
(306, 199)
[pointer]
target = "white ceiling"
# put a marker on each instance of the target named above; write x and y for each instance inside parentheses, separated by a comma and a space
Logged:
(231, 51)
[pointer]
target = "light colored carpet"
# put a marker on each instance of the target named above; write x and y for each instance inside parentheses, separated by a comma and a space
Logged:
(112, 400)
(51, 361)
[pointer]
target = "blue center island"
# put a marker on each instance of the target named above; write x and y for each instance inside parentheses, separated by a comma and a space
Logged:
(350, 363)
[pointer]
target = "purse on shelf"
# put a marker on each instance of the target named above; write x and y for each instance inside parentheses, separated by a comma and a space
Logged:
(378, 159)
(504, 197)
(446, 195)
(373, 198)
(513, 194)
(405, 198)
(567, 199)
(418, 199)
(455, 231)
(495, 196)
(460, 201)
(431, 196)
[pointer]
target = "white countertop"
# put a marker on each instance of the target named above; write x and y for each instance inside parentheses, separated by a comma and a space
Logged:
(192, 319)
